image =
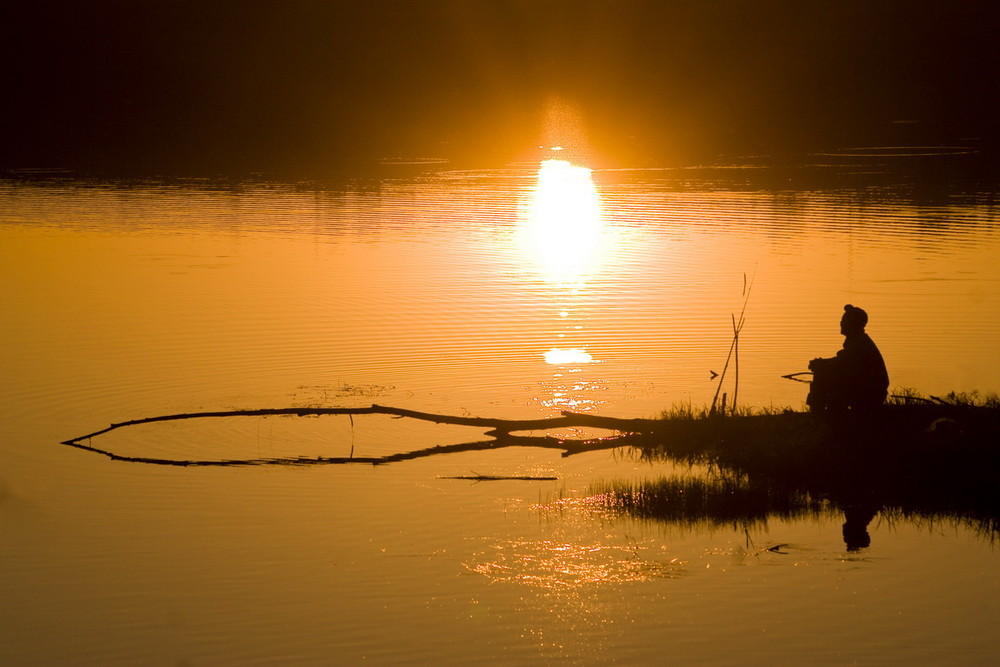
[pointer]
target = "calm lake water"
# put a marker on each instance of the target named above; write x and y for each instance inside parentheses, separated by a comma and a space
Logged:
(512, 293)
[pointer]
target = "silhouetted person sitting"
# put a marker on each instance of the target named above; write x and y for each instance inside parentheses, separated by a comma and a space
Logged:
(856, 378)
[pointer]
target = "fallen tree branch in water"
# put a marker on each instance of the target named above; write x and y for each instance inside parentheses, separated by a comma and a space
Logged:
(500, 429)
(497, 426)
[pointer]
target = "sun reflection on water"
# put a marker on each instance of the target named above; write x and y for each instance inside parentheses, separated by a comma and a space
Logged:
(562, 227)
(559, 565)
(558, 356)
(569, 561)
(562, 231)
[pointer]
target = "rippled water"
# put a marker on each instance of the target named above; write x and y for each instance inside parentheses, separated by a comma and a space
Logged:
(512, 293)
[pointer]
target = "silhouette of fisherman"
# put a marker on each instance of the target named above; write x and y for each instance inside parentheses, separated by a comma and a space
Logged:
(856, 378)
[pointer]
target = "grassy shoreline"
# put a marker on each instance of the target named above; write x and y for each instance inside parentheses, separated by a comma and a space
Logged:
(918, 457)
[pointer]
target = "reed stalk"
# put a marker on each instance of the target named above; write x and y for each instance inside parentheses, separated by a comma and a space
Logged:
(734, 350)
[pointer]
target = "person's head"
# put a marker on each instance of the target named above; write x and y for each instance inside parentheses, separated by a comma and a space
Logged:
(853, 321)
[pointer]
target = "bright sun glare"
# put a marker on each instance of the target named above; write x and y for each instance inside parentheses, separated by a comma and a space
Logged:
(563, 357)
(563, 226)
(562, 230)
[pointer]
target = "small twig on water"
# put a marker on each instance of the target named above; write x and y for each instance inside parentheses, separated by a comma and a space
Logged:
(351, 417)
(493, 478)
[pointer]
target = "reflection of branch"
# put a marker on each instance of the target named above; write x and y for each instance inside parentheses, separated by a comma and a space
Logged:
(222, 462)
(500, 430)
(568, 448)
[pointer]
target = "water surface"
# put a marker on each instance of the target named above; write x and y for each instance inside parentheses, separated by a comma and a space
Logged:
(510, 293)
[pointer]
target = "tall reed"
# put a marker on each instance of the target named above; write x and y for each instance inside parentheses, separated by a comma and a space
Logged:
(734, 352)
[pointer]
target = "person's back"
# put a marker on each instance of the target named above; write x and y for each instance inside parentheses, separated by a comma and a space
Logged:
(866, 369)
(855, 379)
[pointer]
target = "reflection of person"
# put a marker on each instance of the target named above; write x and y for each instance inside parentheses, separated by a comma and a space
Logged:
(856, 378)
(856, 522)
